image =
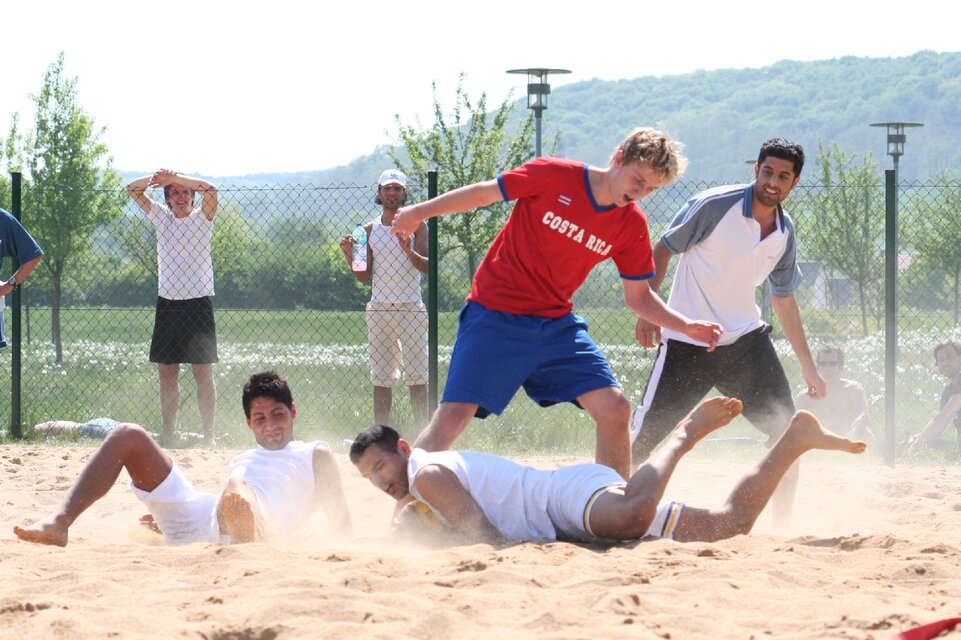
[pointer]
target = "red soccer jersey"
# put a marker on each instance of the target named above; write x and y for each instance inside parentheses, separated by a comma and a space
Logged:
(553, 238)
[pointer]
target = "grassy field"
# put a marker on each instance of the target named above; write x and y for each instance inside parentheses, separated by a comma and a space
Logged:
(105, 373)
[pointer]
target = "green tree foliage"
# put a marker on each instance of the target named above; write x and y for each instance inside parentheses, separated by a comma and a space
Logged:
(8, 160)
(934, 232)
(73, 188)
(846, 227)
(289, 263)
(136, 242)
(470, 145)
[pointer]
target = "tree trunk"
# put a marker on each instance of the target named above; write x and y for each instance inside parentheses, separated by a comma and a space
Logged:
(862, 299)
(55, 310)
(471, 264)
(957, 276)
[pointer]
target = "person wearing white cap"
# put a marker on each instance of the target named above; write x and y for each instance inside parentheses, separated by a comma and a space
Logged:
(396, 315)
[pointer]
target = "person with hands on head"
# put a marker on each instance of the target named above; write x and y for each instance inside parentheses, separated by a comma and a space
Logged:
(517, 328)
(184, 327)
(489, 499)
(17, 243)
(731, 239)
(396, 316)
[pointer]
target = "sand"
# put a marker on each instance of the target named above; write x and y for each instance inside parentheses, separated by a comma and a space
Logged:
(871, 551)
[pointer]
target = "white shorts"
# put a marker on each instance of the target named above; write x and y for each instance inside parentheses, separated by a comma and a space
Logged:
(576, 488)
(397, 332)
(183, 514)
(571, 491)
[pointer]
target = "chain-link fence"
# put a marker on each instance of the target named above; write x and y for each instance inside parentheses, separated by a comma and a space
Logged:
(286, 298)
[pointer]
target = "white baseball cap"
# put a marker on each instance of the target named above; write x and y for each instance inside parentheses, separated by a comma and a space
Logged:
(392, 176)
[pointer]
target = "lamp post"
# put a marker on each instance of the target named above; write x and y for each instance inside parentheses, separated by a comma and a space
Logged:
(537, 92)
(896, 140)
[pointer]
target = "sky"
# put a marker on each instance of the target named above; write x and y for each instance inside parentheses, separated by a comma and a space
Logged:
(228, 89)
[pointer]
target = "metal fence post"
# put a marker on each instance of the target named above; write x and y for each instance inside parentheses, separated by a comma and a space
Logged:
(890, 311)
(16, 184)
(432, 287)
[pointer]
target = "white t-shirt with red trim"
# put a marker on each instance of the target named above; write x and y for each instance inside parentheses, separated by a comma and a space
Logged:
(555, 235)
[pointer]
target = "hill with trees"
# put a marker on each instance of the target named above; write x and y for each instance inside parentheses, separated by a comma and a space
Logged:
(723, 116)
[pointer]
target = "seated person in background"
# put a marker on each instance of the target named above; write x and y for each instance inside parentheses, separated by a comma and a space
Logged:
(844, 409)
(271, 491)
(486, 498)
(947, 357)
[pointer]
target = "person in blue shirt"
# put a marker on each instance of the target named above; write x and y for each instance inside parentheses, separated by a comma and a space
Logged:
(16, 243)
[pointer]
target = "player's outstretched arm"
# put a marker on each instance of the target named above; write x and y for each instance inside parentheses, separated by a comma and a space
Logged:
(459, 200)
(653, 313)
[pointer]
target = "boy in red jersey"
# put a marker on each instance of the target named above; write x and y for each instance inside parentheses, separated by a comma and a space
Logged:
(517, 328)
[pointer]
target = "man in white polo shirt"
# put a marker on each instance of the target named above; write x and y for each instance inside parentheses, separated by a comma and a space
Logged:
(396, 315)
(731, 239)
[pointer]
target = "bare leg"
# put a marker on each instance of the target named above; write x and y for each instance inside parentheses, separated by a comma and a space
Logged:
(753, 492)
(127, 446)
(628, 514)
(782, 505)
(418, 405)
(449, 421)
(383, 402)
(237, 512)
(206, 398)
(169, 400)
(611, 412)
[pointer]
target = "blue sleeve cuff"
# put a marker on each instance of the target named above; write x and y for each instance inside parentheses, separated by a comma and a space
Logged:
(646, 276)
(500, 183)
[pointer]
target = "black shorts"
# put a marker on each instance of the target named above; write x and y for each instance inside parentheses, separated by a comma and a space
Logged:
(749, 370)
(184, 331)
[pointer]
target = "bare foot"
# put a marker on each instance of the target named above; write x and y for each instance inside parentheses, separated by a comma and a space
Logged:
(237, 518)
(709, 416)
(806, 432)
(147, 522)
(46, 531)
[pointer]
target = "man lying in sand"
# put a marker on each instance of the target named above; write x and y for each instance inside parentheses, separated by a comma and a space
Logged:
(271, 492)
(486, 498)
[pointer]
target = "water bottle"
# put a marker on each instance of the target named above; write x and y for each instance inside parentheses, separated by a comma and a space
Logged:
(359, 261)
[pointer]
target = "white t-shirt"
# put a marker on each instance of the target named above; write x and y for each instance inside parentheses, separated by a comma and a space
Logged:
(723, 261)
(395, 278)
(284, 483)
(184, 265)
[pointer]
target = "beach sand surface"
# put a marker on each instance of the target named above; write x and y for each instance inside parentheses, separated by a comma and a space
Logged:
(871, 551)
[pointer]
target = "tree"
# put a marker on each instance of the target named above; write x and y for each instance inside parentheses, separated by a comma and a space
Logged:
(848, 223)
(472, 147)
(72, 187)
(936, 233)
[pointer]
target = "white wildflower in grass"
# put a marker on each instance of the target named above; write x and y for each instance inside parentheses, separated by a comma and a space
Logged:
(324, 355)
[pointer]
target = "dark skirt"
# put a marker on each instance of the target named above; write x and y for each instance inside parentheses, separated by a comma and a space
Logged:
(184, 331)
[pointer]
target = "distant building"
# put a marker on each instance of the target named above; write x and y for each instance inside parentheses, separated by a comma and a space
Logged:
(819, 289)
